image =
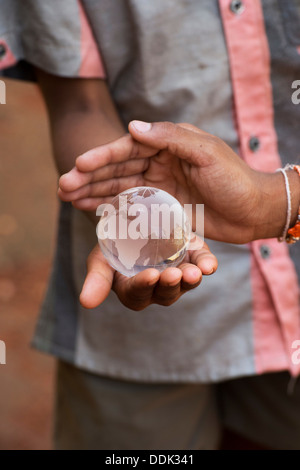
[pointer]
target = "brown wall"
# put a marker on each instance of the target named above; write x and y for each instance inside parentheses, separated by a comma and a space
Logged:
(28, 206)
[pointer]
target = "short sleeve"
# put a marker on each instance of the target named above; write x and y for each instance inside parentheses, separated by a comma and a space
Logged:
(54, 36)
(9, 36)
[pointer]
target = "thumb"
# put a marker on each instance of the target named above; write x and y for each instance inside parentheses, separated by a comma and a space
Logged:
(98, 281)
(183, 140)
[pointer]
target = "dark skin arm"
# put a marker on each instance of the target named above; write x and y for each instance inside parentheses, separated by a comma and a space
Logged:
(81, 113)
(82, 116)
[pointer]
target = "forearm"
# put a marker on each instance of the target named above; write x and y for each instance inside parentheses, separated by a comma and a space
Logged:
(82, 115)
(78, 131)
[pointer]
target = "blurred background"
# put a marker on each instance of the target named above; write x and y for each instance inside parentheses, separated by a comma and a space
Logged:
(28, 206)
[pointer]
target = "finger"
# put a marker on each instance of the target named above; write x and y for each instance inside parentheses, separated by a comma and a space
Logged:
(91, 204)
(106, 188)
(136, 292)
(180, 140)
(204, 259)
(168, 289)
(120, 150)
(191, 127)
(191, 276)
(98, 281)
(75, 179)
(119, 170)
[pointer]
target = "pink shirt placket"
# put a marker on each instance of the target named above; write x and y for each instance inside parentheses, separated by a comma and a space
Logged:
(7, 58)
(91, 61)
(274, 280)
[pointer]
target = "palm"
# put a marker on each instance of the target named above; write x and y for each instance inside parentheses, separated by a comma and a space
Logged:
(169, 173)
(149, 286)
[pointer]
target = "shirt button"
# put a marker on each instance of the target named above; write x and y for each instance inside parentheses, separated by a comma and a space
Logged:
(2, 51)
(237, 7)
(265, 252)
(254, 144)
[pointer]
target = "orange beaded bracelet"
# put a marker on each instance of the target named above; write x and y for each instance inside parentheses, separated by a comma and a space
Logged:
(293, 234)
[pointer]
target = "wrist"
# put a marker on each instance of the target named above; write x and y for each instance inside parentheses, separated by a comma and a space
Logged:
(294, 181)
(272, 214)
(293, 233)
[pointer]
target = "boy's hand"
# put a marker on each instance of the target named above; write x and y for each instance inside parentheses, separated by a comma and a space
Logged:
(193, 166)
(147, 287)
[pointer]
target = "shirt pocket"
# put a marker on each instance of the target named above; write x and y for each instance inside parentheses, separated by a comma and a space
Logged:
(290, 13)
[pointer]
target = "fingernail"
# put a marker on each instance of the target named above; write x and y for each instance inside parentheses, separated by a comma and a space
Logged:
(210, 272)
(141, 126)
(208, 267)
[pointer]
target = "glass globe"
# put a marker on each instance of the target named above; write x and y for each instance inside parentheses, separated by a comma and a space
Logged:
(143, 228)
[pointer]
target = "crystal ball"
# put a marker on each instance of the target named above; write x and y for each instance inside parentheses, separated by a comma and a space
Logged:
(143, 228)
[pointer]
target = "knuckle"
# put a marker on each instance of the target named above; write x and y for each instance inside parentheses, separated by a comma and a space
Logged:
(119, 170)
(136, 304)
(174, 147)
(110, 156)
(135, 150)
(166, 302)
(115, 185)
(216, 142)
(188, 126)
(168, 128)
(186, 287)
(145, 164)
(135, 307)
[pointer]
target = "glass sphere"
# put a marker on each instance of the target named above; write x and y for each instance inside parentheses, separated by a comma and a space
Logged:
(143, 228)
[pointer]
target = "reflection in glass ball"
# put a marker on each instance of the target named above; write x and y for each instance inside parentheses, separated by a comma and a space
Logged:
(143, 228)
